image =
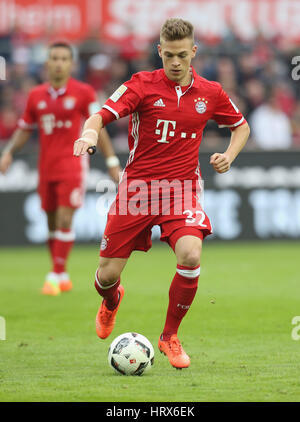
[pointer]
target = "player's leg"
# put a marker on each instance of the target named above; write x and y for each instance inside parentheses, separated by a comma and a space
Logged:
(63, 242)
(181, 295)
(51, 278)
(123, 234)
(51, 217)
(60, 241)
(51, 285)
(185, 282)
(46, 191)
(69, 196)
(107, 279)
(107, 284)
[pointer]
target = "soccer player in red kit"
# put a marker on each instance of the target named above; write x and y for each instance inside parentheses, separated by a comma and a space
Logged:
(169, 109)
(57, 109)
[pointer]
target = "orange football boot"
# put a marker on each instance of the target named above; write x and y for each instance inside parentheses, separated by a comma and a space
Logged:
(51, 286)
(105, 319)
(174, 352)
(50, 289)
(65, 284)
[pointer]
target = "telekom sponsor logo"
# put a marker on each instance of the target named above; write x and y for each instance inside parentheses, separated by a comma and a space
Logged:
(163, 129)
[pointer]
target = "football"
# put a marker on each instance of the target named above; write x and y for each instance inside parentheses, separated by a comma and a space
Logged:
(131, 354)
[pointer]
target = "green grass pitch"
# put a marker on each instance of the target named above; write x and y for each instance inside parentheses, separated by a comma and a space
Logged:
(237, 332)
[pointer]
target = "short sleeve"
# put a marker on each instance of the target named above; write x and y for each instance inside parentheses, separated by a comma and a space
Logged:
(28, 119)
(226, 113)
(125, 100)
(91, 104)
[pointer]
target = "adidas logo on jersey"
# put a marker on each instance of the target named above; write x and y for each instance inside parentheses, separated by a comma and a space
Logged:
(159, 103)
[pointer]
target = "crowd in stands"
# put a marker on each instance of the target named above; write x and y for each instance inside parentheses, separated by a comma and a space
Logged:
(256, 74)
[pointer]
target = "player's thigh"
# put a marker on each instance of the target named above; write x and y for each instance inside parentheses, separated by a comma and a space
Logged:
(64, 217)
(48, 197)
(188, 250)
(73, 193)
(110, 269)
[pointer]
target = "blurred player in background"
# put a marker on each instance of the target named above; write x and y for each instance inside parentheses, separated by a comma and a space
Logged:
(57, 108)
(169, 109)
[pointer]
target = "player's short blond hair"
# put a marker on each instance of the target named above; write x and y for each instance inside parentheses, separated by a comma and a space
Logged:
(176, 29)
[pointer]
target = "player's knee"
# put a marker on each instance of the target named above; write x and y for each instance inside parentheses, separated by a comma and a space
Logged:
(107, 275)
(190, 257)
(64, 222)
(64, 218)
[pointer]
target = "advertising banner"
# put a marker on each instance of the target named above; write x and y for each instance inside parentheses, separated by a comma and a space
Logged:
(259, 198)
(117, 19)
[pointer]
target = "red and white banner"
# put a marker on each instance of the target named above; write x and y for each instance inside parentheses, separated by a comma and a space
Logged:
(211, 18)
(68, 19)
(117, 19)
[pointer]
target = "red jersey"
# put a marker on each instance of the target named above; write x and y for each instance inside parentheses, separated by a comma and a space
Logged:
(167, 122)
(58, 114)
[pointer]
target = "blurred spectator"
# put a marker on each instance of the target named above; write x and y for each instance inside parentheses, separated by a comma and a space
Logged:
(285, 97)
(262, 50)
(226, 75)
(271, 128)
(130, 48)
(98, 71)
(245, 70)
(87, 48)
(254, 94)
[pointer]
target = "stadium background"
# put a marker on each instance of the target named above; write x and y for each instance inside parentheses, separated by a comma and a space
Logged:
(241, 329)
(247, 46)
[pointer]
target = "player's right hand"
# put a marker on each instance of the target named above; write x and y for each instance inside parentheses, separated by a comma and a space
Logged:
(82, 145)
(5, 161)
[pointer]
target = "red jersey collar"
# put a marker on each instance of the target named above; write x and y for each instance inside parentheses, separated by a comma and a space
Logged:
(194, 83)
(57, 92)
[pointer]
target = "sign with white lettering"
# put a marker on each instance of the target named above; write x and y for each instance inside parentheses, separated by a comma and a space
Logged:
(259, 198)
(122, 20)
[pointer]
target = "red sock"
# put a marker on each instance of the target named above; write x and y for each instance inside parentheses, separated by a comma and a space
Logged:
(63, 242)
(181, 294)
(110, 294)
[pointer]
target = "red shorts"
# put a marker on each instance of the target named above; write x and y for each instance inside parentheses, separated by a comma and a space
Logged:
(126, 233)
(67, 193)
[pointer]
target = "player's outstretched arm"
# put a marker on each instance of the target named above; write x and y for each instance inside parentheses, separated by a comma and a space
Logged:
(221, 162)
(18, 140)
(89, 136)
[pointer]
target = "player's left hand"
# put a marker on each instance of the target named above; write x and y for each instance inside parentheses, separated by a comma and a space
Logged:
(115, 173)
(220, 162)
(82, 145)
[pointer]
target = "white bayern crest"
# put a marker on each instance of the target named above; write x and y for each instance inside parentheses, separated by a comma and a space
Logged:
(103, 243)
(42, 105)
(200, 107)
(69, 103)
